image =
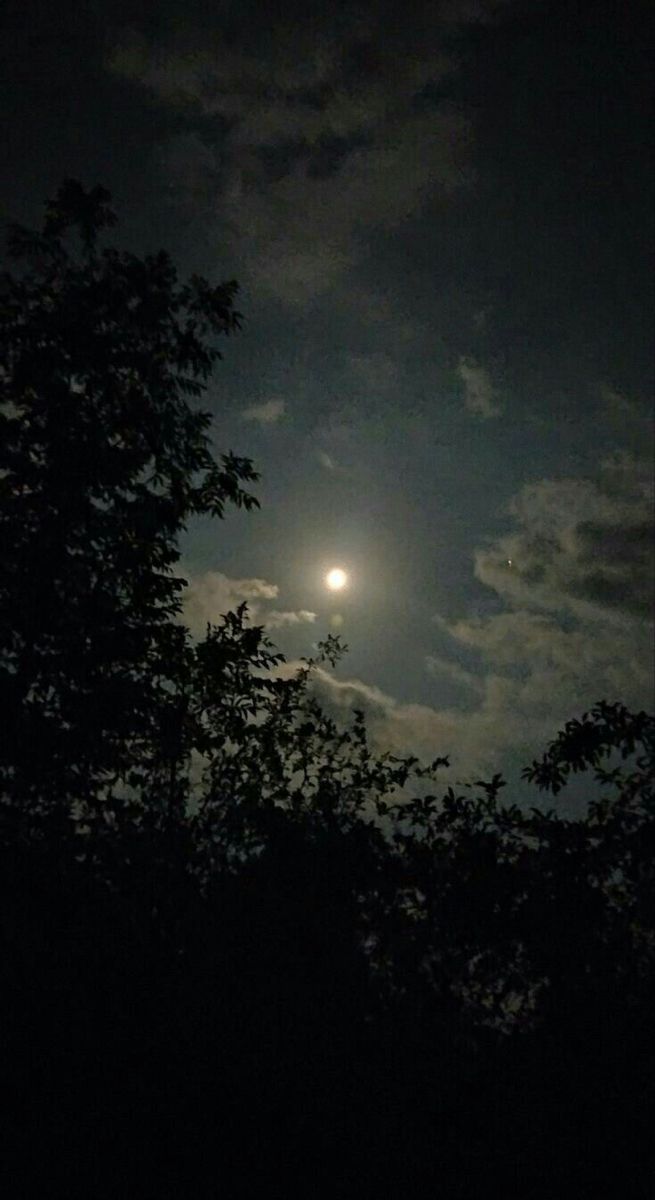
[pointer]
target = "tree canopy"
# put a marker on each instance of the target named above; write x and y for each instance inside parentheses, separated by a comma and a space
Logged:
(102, 462)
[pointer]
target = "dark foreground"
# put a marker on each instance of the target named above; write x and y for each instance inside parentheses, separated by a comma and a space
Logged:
(243, 1061)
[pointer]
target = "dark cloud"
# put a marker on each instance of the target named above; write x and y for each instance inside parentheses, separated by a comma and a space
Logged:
(323, 140)
(583, 546)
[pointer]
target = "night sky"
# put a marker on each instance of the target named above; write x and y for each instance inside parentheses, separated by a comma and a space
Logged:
(440, 217)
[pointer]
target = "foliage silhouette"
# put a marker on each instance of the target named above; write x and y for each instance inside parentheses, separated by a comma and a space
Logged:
(241, 948)
(102, 461)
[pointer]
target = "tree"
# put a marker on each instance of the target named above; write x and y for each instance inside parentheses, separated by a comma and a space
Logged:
(103, 458)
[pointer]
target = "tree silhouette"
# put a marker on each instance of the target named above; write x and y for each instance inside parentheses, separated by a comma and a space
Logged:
(102, 461)
(241, 948)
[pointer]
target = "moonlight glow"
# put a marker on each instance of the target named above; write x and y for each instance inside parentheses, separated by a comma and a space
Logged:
(336, 579)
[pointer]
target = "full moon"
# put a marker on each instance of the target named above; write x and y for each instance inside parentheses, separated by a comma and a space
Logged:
(336, 579)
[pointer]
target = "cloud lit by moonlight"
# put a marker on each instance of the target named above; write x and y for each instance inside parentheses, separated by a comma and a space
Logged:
(336, 579)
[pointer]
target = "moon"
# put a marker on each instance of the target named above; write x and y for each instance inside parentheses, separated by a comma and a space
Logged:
(336, 579)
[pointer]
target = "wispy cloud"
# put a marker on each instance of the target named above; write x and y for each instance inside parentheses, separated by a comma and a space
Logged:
(211, 594)
(278, 620)
(265, 414)
(480, 396)
(446, 668)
